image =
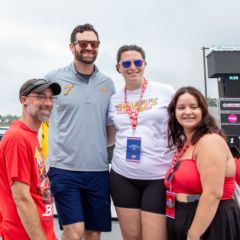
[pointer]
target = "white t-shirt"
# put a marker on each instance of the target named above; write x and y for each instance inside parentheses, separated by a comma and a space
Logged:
(156, 157)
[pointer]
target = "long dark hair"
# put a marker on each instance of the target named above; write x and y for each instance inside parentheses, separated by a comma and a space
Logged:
(176, 136)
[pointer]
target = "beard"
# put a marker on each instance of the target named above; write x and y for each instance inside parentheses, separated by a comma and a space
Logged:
(38, 113)
(43, 118)
(87, 60)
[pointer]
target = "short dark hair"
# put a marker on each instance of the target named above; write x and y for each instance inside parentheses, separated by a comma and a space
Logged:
(208, 124)
(81, 29)
(126, 48)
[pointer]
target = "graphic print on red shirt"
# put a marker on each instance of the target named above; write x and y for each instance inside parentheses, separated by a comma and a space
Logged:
(21, 160)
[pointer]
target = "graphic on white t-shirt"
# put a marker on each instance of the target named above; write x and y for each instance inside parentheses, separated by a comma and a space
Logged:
(145, 104)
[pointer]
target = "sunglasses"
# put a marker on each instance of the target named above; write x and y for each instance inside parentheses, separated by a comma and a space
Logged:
(128, 63)
(84, 43)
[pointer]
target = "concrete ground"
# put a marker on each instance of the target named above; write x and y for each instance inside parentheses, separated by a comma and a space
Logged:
(114, 235)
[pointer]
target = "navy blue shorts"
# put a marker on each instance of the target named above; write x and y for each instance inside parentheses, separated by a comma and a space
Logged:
(82, 197)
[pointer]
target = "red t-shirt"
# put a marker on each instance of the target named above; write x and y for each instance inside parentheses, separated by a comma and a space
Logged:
(0, 224)
(21, 160)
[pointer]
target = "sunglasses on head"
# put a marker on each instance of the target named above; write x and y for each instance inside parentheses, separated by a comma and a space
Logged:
(128, 63)
(84, 43)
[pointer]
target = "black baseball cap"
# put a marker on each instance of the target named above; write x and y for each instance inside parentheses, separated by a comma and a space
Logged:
(38, 86)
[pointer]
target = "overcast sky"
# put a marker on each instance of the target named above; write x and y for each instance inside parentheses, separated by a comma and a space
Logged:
(35, 37)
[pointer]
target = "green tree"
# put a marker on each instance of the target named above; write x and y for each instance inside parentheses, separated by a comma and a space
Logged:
(6, 120)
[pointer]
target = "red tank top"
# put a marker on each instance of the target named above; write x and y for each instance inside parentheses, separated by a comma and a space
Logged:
(187, 180)
(237, 171)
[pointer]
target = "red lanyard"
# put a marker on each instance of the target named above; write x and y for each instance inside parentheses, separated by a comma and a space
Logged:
(180, 152)
(175, 163)
(133, 115)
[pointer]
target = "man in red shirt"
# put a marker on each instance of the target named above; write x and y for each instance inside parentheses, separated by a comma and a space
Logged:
(0, 226)
(25, 197)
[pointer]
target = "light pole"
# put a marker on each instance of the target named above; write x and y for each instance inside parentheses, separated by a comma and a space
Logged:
(204, 69)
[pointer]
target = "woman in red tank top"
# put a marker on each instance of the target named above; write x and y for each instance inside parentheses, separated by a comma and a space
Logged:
(201, 180)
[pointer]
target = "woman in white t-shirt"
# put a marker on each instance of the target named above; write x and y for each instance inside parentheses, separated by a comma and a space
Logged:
(137, 124)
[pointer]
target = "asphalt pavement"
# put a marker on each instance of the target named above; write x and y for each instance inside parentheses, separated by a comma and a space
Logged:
(114, 235)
